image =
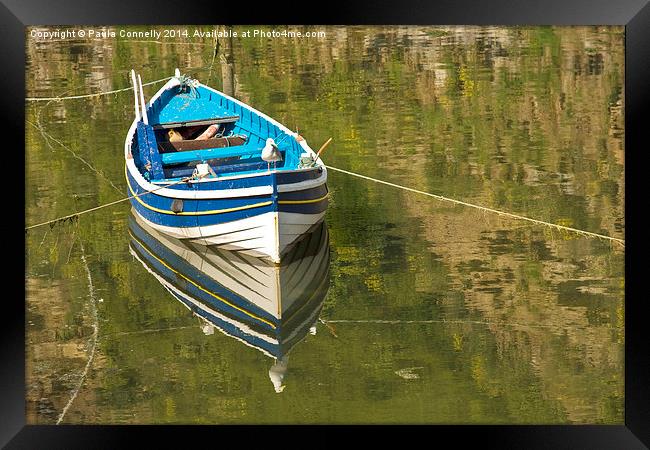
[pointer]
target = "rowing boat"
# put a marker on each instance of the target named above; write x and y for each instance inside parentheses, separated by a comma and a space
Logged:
(203, 166)
(266, 306)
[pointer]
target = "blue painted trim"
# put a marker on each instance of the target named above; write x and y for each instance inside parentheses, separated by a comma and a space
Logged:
(143, 150)
(305, 194)
(171, 219)
(154, 154)
(254, 165)
(274, 196)
(148, 151)
(308, 208)
(289, 177)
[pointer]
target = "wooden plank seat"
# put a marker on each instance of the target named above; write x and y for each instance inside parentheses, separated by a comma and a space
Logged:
(191, 123)
(169, 159)
(219, 142)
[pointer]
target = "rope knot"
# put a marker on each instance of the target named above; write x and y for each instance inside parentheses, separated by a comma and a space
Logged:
(188, 83)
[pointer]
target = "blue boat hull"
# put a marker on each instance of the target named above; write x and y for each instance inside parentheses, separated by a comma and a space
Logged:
(263, 225)
(245, 205)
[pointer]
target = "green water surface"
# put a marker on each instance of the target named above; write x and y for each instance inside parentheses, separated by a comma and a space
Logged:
(436, 313)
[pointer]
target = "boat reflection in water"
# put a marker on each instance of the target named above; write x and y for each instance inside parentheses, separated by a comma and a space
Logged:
(268, 306)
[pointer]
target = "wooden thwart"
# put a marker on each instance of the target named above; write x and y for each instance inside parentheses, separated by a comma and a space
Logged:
(188, 123)
(182, 146)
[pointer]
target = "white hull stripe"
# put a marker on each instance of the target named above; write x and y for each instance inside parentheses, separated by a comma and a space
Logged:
(255, 235)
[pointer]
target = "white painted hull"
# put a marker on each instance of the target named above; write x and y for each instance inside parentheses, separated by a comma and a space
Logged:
(268, 235)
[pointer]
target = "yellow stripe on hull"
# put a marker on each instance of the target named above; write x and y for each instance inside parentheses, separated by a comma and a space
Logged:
(192, 213)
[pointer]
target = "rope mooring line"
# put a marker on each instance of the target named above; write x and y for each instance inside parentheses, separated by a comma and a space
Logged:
(49, 137)
(77, 214)
(98, 94)
(484, 208)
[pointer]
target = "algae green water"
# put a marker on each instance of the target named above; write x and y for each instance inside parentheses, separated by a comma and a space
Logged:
(435, 313)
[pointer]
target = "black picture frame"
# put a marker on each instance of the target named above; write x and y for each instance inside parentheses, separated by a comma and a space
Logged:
(15, 15)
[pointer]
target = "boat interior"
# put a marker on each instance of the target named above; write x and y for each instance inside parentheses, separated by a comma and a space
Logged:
(189, 125)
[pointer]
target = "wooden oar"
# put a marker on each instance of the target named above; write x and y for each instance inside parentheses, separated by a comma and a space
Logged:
(323, 147)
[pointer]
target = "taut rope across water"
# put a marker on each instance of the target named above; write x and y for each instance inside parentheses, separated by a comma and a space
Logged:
(77, 214)
(484, 208)
(99, 94)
